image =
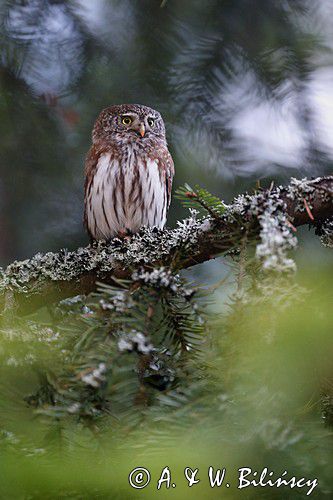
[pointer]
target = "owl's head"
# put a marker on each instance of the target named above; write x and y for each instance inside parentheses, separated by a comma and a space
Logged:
(128, 123)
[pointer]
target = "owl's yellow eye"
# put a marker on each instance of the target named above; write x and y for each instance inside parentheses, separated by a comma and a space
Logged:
(151, 122)
(126, 120)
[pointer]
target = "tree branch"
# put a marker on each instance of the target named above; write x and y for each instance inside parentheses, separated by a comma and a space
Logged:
(48, 278)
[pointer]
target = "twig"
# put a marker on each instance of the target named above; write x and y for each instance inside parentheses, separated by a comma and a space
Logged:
(307, 208)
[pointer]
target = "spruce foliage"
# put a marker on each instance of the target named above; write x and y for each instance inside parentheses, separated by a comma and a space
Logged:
(148, 367)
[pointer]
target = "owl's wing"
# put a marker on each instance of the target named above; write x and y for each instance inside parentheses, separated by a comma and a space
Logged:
(92, 158)
(167, 166)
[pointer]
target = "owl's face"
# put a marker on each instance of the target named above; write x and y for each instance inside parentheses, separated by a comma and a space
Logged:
(129, 123)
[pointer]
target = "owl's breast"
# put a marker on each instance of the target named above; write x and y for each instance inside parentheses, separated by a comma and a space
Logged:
(144, 198)
(126, 193)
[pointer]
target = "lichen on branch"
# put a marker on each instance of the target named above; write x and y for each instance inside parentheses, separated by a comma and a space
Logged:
(270, 214)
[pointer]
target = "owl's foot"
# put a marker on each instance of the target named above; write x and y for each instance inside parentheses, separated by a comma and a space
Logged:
(124, 234)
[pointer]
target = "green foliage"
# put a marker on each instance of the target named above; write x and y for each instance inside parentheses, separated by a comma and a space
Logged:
(156, 371)
(112, 350)
(249, 396)
(201, 198)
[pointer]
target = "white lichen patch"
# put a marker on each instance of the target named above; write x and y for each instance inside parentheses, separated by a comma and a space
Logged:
(326, 233)
(160, 277)
(300, 190)
(305, 189)
(74, 408)
(275, 233)
(135, 341)
(95, 377)
(12, 361)
(276, 241)
(119, 302)
(8, 437)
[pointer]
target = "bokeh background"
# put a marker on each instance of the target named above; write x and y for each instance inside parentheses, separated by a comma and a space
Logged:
(245, 88)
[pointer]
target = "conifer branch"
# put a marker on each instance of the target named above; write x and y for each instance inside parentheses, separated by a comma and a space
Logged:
(48, 278)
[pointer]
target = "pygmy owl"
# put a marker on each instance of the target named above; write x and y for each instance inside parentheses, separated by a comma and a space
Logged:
(128, 171)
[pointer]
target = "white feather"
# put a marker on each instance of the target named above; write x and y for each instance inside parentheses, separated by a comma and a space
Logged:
(130, 214)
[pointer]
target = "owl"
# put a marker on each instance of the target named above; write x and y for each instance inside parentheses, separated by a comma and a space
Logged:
(128, 172)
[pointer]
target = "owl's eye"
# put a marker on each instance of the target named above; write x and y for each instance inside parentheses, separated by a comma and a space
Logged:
(151, 122)
(126, 120)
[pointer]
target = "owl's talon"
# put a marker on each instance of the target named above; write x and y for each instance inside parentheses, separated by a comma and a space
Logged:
(124, 234)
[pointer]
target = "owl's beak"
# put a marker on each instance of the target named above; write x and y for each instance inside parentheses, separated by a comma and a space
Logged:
(142, 129)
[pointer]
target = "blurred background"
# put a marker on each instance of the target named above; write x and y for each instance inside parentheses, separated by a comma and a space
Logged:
(245, 88)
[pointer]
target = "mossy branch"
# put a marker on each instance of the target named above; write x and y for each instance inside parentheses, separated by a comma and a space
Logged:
(50, 277)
